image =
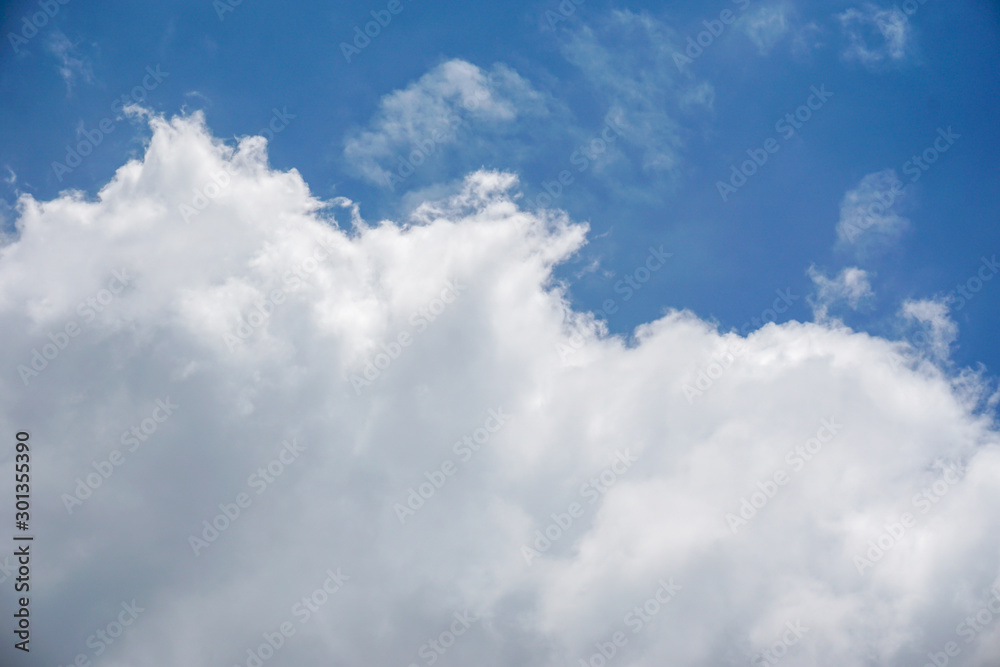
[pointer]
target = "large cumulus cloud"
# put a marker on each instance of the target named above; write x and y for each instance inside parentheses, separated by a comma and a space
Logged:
(457, 451)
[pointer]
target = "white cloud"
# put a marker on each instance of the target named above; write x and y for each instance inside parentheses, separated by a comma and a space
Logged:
(766, 25)
(701, 95)
(628, 58)
(347, 295)
(430, 113)
(932, 315)
(851, 286)
(876, 36)
(72, 65)
(869, 214)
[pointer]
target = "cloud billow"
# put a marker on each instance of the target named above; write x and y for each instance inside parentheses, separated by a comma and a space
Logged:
(451, 581)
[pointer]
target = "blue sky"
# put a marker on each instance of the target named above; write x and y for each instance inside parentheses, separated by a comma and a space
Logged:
(658, 185)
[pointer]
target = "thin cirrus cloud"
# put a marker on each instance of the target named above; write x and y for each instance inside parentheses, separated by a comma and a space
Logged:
(604, 495)
(767, 25)
(431, 113)
(425, 126)
(876, 36)
(73, 66)
(645, 93)
(870, 215)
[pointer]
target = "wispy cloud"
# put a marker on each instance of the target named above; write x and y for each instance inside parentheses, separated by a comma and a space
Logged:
(628, 57)
(875, 36)
(933, 314)
(72, 65)
(766, 25)
(869, 214)
(429, 114)
(851, 286)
